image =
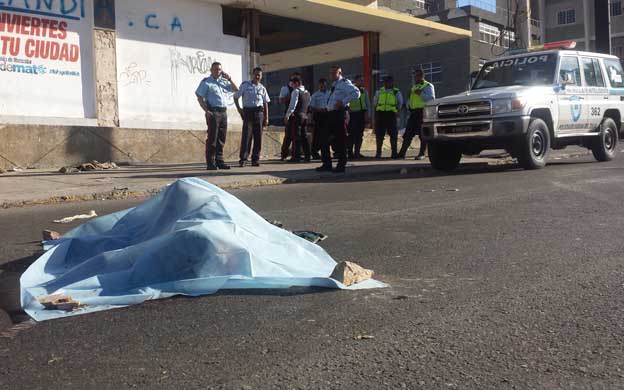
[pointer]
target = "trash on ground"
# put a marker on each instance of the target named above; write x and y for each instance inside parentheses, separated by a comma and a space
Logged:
(192, 239)
(313, 237)
(68, 170)
(90, 166)
(363, 337)
(349, 273)
(453, 190)
(50, 235)
(91, 214)
(59, 302)
(16, 169)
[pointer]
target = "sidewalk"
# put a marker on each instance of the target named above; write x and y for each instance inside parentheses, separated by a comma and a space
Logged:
(34, 186)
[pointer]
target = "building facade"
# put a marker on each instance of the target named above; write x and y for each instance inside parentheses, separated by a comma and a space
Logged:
(574, 19)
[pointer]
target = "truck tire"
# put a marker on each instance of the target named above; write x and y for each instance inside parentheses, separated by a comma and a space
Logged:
(532, 147)
(603, 147)
(444, 156)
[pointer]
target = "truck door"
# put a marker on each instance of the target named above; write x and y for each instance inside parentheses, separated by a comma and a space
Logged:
(570, 97)
(596, 92)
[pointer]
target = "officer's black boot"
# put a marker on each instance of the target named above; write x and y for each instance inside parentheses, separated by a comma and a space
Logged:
(379, 147)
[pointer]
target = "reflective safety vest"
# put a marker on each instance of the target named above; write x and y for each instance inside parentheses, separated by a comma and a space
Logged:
(359, 104)
(387, 100)
(415, 100)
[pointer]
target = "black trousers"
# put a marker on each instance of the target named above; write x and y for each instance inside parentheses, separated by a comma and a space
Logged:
(386, 123)
(320, 123)
(414, 127)
(252, 133)
(355, 134)
(336, 130)
(298, 136)
(215, 140)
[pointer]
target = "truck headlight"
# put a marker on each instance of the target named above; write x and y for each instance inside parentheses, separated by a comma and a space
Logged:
(430, 112)
(503, 106)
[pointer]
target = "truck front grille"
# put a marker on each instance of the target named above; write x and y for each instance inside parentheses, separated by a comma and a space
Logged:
(463, 110)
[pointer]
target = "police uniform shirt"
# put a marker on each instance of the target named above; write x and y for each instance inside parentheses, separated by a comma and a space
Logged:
(319, 99)
(284, 91)
(342, 91)
(253, 95)
(216, 93)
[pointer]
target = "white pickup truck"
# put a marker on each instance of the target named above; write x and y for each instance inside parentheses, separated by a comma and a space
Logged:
(528, 104)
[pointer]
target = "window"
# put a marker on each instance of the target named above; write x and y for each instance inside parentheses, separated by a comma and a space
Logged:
(420, 4)
(592, 72)
(432, 71)
(614, 73)
(569, 70)
(566, 17)
(527, 71)
(488, 33)
(482, 62)
(509, 38)
(616, 8)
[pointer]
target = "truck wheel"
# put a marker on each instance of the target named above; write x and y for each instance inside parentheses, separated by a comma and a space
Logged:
(603, 147)
(444, 156)
(534, 145)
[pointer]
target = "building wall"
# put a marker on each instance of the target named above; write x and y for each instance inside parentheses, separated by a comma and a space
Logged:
(46, 62)
(164, 49)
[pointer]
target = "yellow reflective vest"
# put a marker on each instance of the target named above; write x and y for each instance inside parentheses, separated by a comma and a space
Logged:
(415, 100)
(359, 104)
(387, 100)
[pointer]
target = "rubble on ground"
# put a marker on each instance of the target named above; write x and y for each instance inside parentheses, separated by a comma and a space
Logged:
(59, 302)
(349, 273)
(89, 166)
(50, 235)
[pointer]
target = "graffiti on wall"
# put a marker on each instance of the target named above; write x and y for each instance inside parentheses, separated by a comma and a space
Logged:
(196, 64)
(133, 75)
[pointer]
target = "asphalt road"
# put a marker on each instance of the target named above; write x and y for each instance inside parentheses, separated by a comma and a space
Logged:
(500, 279)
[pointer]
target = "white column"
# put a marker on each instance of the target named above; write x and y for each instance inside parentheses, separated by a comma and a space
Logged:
(587, 23)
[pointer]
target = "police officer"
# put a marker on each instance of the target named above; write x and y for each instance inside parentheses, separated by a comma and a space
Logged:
(255, 114)
(359, 113)
(213, 94)
(388, 102)
(341, 93)
(422, 91)
(295, 119)
(318, 108)
(284, 98)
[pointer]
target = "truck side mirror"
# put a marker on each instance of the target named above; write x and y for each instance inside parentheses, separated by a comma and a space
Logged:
(473, 77)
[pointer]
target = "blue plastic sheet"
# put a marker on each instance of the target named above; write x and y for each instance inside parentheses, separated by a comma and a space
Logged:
(192, 238)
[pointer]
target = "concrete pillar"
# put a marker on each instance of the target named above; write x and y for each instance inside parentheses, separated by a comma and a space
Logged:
(542, 16)
(524, 24)
(251, 28)
(587, 24)
(371, 60)
(603, 25)
(105, 57)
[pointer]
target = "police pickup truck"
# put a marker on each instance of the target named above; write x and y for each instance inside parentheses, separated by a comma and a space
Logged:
(528, 104)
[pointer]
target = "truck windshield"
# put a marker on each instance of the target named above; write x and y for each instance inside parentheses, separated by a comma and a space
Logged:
(529, 70)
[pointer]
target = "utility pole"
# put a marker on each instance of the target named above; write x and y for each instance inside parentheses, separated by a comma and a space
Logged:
(602, 18)
(523, 23)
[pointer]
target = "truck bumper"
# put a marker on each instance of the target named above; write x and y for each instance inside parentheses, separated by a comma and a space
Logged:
(475, 129)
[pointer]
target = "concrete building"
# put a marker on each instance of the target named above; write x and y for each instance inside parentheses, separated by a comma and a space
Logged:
(115, 80)
(447, 65)
(574, 19)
